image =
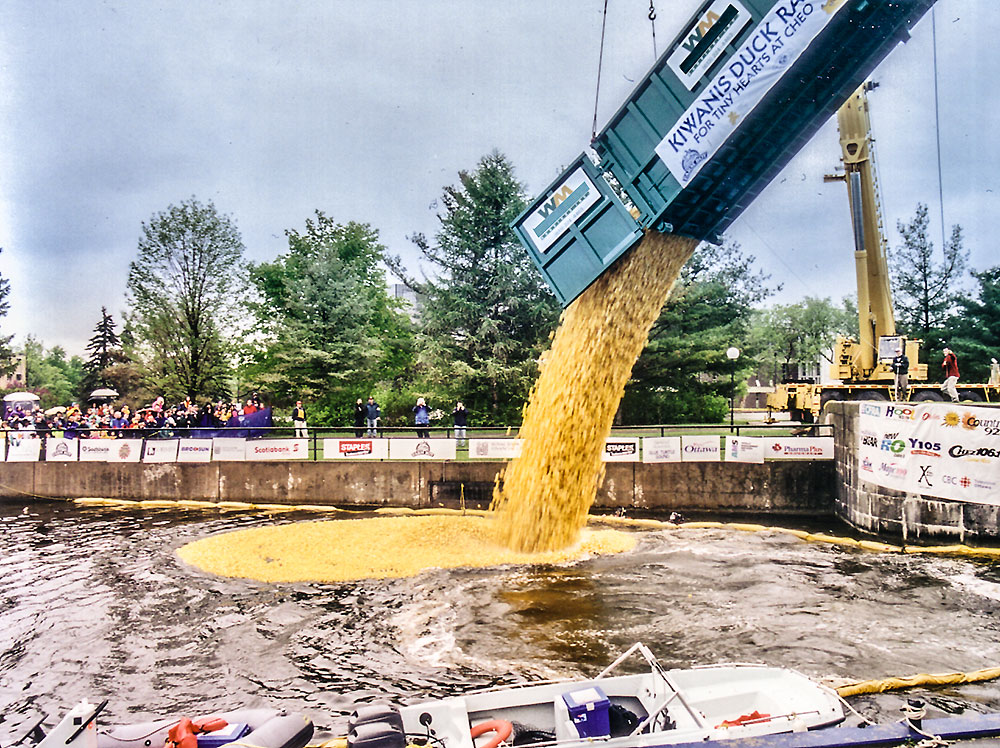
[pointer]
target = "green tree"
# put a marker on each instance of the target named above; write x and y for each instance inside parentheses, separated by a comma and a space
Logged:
(8, 361)
(803, 332)
(485, 314)
(50, 375)
(926, 290)
(105, 350)
(683, 375)
(183, 290)
(331, 331)
(976, 329)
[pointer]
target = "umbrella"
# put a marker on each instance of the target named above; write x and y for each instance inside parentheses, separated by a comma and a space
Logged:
(55, 410)
(103, 393)
(20, 397)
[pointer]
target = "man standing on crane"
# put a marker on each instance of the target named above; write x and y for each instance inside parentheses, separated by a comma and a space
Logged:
(950, 366)
(901, 368)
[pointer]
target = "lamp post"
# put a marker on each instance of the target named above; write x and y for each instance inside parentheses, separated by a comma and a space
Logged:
(732, 353)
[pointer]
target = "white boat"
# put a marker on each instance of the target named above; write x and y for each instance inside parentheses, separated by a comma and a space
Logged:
(654, 708)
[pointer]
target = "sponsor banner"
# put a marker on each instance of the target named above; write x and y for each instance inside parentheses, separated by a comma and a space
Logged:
(798, 447)
(110, 450)
(744, 449)
(194, 450)
(61, 450)
(741, 83)
(621, 449)
(661, 449)
(277, 449)
(707, 39)
(356, 449)
(160, 450)
(495, 449)
(945, 450)
(568, 201)
(25, 449)
(228, 449)
(422, 449)
(701, 448)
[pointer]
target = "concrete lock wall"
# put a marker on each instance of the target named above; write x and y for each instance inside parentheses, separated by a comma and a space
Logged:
(884, 511)
(794, 488)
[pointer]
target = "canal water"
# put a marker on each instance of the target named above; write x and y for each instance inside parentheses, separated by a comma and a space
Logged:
(95, 604)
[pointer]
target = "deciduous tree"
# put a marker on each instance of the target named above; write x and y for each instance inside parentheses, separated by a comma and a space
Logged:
(183, 289)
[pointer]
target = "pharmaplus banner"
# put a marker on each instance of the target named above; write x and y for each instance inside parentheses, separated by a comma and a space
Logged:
(946, 450)
(742, 82)
(798, 447)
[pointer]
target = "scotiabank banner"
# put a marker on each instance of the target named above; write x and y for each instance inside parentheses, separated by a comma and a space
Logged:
(277, 449)
(355, 449)
(946, 450)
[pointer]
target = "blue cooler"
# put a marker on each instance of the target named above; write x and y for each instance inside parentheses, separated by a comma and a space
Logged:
(229, 733)
(588, 709)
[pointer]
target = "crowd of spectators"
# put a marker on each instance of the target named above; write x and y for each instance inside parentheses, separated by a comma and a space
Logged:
(105, 421)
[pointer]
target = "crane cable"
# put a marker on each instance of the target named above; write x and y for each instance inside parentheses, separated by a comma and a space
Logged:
(937, 126)
(652, 23)
(600, 64)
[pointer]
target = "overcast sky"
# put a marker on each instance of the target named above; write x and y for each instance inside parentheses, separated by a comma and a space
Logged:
(111, 111)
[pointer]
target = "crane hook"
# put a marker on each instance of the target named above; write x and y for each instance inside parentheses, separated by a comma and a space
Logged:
(652, 11)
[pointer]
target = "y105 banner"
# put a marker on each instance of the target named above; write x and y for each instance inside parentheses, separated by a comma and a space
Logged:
(946, 450)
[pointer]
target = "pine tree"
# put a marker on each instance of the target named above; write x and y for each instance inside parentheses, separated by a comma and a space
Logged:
(104, 345)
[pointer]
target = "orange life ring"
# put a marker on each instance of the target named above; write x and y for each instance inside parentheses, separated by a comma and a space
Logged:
(501, 727)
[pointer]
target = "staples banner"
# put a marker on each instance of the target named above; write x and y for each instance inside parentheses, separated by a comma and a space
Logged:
(422, 449)
(160, 450)
(277, 449)
(228, 449)
(621, 449)
(110, 450)
(495, 449)
(945, 450)
(194, 450)
(799, 448)
(661, 449)
(61, 450)
(744, 449)
(356, 449)
(701, 448)
(24, 449)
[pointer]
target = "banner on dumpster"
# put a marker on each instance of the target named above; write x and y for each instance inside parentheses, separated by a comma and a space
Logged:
(356, 449)
(945, 450)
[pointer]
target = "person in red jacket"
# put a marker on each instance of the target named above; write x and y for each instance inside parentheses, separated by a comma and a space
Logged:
(950, 366)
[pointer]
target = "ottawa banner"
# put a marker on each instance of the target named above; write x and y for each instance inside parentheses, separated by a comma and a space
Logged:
(495, 449)
(661, 449)
(422, 449)
(356, 449)
(744, 449)
(160, 450)
(277, 449)
(701, 448)
(621, 449)
(945, 450)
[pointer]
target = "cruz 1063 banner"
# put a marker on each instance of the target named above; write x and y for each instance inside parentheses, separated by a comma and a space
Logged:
(946, 450)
